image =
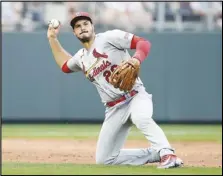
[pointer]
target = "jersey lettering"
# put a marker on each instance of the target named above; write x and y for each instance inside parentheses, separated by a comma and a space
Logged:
(101, 68)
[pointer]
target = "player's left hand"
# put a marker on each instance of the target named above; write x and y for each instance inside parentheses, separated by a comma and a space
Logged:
(125, 75)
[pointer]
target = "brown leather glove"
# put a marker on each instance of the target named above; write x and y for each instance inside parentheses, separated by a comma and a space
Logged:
(125, 75)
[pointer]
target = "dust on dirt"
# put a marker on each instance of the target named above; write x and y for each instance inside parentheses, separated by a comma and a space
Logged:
(206, 154)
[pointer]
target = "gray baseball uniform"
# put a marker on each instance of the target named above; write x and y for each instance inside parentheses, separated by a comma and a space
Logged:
(109, 50)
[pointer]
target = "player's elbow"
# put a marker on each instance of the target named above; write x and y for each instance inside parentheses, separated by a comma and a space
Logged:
(137, 42)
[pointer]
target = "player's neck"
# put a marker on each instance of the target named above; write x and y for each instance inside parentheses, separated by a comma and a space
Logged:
(88, 45)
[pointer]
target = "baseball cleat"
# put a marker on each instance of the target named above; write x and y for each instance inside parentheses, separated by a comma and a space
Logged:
(170, 161)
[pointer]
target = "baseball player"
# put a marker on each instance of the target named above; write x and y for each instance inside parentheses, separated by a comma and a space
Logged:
(105, 61)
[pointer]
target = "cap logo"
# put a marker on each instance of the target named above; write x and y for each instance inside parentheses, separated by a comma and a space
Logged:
(78, 14)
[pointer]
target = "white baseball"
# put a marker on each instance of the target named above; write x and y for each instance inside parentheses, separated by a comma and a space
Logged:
(54, 23)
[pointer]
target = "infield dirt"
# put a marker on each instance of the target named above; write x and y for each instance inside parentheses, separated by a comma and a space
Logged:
(204, 154)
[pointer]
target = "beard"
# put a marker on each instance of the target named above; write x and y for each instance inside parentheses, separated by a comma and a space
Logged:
(85, 39)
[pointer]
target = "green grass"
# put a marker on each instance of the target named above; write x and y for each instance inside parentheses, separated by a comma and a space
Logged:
(74, 169)
(72, 131)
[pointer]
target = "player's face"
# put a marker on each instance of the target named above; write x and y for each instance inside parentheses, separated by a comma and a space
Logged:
(84, 30)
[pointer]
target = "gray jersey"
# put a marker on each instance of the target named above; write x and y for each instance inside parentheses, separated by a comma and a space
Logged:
(106, 53)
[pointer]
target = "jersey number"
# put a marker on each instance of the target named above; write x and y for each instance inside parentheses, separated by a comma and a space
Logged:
(107, 73)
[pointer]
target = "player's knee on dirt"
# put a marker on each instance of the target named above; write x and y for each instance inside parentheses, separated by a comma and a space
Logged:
(99, 160)
(104, 160)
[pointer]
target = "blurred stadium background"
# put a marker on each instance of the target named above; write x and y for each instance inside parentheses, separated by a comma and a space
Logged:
(183, 72)
(145, 16)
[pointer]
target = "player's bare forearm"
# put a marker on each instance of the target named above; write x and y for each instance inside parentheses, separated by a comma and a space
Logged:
(59, 53)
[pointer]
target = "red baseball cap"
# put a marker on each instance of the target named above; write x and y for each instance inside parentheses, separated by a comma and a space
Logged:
(79, 16)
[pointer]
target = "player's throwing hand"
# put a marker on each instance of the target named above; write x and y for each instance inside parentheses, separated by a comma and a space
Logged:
(53, 32)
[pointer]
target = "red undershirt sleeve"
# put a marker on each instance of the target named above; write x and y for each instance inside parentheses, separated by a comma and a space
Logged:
(65, 68)
(142, 47)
